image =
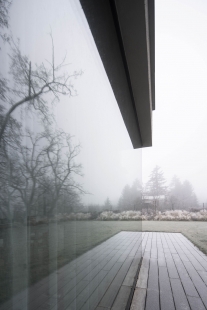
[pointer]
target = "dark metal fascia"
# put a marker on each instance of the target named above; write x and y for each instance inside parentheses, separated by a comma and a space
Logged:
(116, 23)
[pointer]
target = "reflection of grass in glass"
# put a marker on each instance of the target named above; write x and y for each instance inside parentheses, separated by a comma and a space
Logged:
(26, 260)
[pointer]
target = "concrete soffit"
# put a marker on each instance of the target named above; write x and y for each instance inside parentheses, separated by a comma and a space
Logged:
(123, 31)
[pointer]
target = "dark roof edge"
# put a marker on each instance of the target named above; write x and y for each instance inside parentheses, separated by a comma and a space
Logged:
(116, 22)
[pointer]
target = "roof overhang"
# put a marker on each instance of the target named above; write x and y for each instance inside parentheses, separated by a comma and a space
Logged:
(123, 31)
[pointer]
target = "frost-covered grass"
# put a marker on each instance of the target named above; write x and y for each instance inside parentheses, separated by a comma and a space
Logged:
(172, 215)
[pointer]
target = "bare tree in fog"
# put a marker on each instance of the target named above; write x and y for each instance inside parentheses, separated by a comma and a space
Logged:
(4, 18)
(33, 84)
(61, 167)
(44, 167)
(34, 167)
(70, 201)
(10, 140)
(9, 144)
(27, 166)
(30, 84)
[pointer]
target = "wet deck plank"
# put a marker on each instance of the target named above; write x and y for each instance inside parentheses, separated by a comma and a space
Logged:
(175, 277)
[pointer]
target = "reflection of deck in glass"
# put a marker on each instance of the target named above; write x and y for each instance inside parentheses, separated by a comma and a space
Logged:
(94, 278)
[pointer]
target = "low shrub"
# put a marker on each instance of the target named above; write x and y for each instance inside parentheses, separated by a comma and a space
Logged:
(172, 215)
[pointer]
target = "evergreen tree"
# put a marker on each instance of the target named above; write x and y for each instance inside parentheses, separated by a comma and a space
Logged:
(175, 193)
(136, 195)
(108, 205)
(155, 186)
(189, 199)
(181, 195)
(125, 199)
(131, 197)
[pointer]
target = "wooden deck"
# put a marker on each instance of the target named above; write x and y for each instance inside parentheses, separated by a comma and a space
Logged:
(93, 281)
(173, 275)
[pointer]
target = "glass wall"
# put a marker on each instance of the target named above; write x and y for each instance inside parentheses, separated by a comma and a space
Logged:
(68, 167)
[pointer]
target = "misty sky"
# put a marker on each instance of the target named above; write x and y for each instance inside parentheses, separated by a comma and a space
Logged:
(180, 120)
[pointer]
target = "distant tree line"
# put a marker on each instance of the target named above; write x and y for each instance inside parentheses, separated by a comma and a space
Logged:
(131, 197)
(156, 195)
(177, 195)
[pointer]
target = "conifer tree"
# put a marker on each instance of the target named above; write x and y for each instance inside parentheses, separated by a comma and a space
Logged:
(155, 186)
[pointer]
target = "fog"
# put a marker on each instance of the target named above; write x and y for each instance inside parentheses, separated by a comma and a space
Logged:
(93, 118)
(179, 122)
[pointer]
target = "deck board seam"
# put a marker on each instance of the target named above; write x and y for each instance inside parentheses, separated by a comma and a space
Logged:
(177, 245)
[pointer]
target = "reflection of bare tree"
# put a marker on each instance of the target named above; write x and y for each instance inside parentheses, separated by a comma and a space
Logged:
(4, 18)
(44, 168)
(62, 167)
(26, 169)
(9, 144)
(70, 201)
(32, 85)
(34, 170)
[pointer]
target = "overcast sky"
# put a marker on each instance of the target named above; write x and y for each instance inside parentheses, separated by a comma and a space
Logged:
(180, 119)
(93, 117)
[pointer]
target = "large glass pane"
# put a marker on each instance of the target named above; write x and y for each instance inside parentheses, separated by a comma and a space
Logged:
(69, 174)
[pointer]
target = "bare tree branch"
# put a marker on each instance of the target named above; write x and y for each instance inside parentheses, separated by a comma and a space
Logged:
(32, 85)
